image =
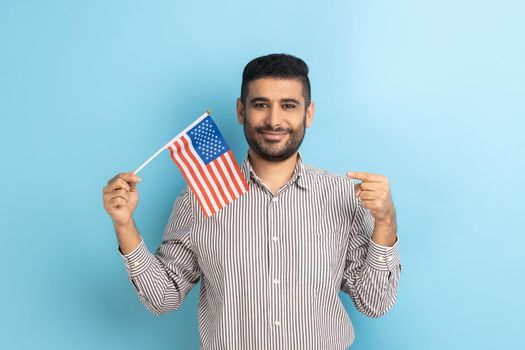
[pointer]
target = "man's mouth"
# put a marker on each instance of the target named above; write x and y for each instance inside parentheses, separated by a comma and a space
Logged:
(273, 135)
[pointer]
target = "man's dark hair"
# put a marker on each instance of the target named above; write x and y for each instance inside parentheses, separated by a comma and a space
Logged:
(276, 65)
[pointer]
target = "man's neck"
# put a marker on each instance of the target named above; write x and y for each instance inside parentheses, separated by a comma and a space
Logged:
(273, 174)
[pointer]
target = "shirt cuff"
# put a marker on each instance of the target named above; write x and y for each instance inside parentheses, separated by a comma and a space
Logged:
(138, 260)
(383, 258)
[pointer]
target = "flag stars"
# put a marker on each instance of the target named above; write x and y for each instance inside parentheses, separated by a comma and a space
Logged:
(207, 140)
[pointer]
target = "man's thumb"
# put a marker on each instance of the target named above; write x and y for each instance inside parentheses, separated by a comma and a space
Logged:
(357, 190)
(133, 182)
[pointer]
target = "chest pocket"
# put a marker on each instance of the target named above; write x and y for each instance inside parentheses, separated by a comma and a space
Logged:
(319, 249)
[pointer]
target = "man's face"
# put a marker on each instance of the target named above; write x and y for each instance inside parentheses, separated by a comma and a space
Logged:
(275, 117)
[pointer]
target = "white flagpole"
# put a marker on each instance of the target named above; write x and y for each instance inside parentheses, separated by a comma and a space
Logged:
(149, 160)
(207, 113)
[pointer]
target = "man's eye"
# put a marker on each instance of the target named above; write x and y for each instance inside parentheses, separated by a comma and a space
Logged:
(288, 106)
(261, 105)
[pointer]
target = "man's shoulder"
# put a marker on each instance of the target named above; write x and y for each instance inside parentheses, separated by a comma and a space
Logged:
(332, 189)
(184, 199)
(321, 175)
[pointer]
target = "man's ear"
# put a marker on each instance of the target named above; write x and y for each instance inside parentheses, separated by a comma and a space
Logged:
(240, 111)
(310, 114)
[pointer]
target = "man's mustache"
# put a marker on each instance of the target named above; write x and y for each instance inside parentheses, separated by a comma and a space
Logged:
(266, 128)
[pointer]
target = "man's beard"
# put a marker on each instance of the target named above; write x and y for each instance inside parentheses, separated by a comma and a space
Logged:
(270, 151)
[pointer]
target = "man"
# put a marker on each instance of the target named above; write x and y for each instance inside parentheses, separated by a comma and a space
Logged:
(271, 263)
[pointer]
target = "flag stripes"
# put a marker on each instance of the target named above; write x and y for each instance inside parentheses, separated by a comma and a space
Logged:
(215, 184)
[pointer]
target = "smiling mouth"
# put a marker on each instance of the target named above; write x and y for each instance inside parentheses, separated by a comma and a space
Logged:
(273, 135)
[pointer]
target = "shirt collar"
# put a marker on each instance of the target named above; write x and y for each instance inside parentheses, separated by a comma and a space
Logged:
(298, 176)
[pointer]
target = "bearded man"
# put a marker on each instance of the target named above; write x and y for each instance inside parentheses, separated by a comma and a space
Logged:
(272, 263)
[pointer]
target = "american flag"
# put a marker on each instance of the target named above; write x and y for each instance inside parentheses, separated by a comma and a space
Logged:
(208, 165)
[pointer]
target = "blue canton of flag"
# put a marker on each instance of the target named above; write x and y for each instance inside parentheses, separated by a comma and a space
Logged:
(207, 140)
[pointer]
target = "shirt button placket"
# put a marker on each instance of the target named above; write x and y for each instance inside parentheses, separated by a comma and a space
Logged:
(274, 270)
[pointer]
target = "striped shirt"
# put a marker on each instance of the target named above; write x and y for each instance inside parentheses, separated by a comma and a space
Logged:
(271, 266)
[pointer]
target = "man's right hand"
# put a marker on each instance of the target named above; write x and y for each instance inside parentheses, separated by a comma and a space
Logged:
(121, 197)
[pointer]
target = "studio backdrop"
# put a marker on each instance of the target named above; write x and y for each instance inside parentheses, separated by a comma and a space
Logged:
(427, 93)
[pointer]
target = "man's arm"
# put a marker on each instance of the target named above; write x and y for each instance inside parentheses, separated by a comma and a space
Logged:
(163, 279)
(372, 267)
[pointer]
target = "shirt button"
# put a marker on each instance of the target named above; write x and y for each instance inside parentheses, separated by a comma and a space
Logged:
(135, 264)
(277, 323)
(276, 281)
(274, 199)
(275, 238)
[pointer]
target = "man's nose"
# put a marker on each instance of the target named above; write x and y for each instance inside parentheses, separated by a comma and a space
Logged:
(273, 118)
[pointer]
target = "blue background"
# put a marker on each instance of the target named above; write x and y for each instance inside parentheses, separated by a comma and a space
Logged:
(430, 94)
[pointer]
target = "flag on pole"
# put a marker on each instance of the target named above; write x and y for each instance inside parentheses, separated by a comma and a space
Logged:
(208, 165)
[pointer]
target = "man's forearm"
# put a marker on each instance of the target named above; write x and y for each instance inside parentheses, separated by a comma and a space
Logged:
(385, 232)
(128, 237)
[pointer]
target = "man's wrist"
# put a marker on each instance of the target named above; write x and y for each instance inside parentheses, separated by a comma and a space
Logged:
(125, 226)
(385, 232)
(128, 236)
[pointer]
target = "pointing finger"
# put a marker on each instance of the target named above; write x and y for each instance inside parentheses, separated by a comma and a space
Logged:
(363, 176)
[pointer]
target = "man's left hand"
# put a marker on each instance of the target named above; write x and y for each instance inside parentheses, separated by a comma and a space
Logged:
(374, 191)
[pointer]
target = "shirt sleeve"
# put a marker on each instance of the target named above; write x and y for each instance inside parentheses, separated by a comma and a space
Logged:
(372, 271)
(163, 279)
